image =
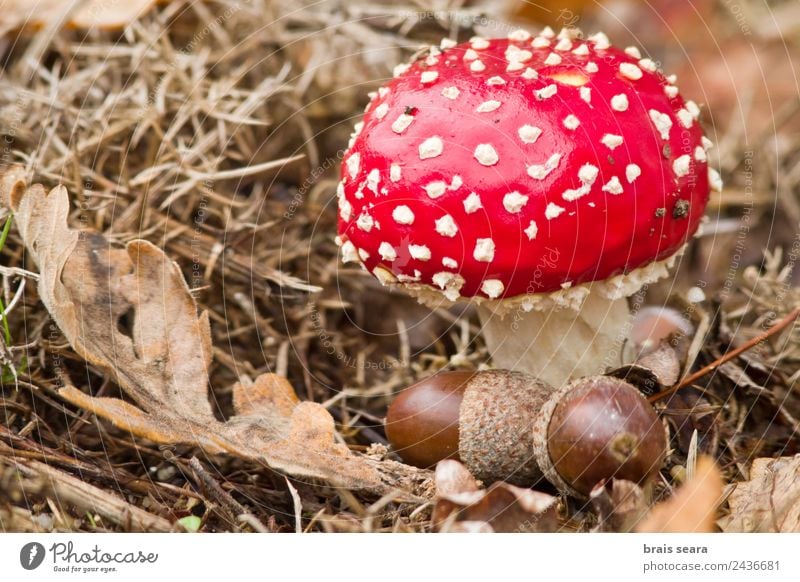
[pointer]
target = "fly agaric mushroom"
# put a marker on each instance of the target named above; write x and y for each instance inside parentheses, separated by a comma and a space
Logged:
(545, 179)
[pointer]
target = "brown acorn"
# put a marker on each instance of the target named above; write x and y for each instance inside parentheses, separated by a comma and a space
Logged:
(422, 423)
(510, 426)
(600, 428)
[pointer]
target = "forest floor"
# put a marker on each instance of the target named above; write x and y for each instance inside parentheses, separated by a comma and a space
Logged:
(215, 131)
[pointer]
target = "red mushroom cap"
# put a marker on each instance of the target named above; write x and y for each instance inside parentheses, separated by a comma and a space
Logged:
(505, 167)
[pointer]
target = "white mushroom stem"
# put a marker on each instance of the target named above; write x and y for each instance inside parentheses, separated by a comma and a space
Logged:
(559, 344)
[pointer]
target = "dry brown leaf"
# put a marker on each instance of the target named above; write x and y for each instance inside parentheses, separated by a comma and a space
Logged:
(693, 506)
(769, 501)
(91, 288)
(619, 505)
(16, 14)
(461, 506)
(270, 391)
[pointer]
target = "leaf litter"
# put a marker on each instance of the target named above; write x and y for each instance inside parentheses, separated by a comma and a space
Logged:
(767, 502)
(462, 506)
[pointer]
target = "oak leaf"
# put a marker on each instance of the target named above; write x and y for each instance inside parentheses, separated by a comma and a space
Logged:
(93, 290)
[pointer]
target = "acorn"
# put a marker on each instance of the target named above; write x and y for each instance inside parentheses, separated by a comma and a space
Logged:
(510, 426)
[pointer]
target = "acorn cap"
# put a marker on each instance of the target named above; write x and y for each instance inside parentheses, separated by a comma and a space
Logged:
(496, 418)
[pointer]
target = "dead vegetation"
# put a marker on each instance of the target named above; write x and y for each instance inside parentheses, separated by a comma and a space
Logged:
(214, 130)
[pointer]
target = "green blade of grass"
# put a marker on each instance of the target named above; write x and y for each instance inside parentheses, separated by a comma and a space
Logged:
(6, 329)
(3, 237)
(6, 230)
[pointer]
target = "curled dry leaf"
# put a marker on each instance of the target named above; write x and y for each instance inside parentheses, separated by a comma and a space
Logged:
(769, 501)
(90, 288)
(620, 505)
(461, 506)
(653, 371)
(664, 362)
(693, 506)
(16, 14)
